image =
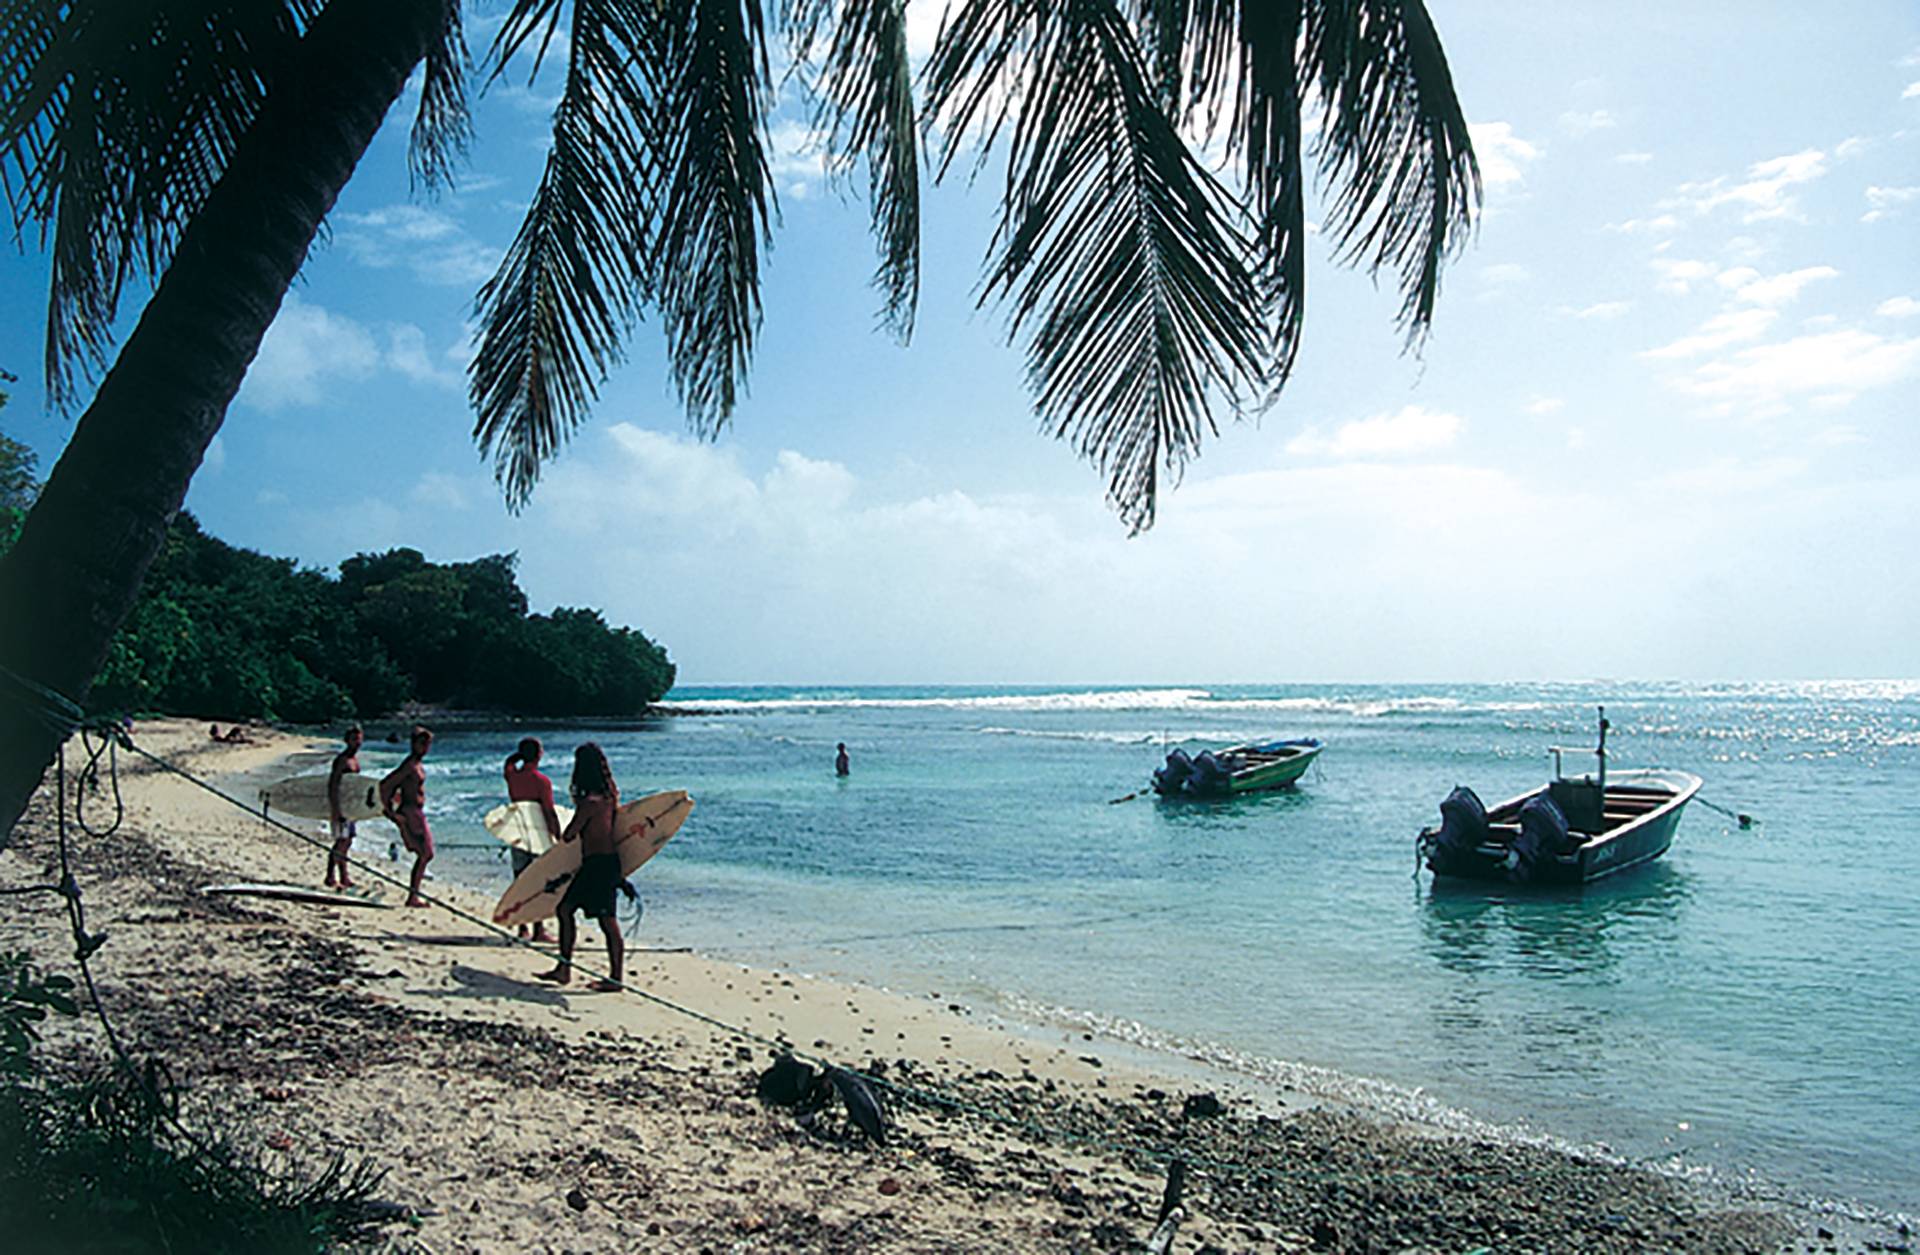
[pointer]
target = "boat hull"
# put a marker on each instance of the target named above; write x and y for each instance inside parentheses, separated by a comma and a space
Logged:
(1645, 837)
(1253, 768)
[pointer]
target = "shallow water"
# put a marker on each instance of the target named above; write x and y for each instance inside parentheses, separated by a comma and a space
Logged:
(1747, 1004)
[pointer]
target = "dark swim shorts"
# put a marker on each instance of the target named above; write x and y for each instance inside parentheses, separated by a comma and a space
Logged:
(592, 890)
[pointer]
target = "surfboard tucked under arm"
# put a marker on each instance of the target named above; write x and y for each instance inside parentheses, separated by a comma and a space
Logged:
(640, 829)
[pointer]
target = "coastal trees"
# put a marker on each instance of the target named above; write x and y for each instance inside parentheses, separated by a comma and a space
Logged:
(202, 142)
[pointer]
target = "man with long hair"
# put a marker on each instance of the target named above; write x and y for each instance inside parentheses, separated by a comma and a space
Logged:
(596, 799)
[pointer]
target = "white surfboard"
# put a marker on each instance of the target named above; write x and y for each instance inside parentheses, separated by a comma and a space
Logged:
(291, 893)
(306, 796)
(523, 825)
(640, 829)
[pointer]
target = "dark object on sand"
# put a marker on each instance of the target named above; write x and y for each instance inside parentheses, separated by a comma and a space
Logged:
(791, 1083)
(1201, 1106)
(862, 1107)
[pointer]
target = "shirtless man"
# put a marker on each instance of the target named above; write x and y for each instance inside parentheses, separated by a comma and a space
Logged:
(403, 796)
(527, 783)
(595, 799)
(347, 760)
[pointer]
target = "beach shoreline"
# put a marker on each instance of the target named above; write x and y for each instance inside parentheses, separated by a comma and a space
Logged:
(414, 1039)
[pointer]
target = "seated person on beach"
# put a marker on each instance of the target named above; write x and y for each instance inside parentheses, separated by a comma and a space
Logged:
(345, 762)
(403, 796)
(595, 799)
(237, 735)
(527, 783)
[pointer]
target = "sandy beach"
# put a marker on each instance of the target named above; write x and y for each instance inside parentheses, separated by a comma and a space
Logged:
(514, 1115)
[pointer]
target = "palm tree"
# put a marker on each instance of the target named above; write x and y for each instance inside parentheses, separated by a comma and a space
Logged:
(201, 143)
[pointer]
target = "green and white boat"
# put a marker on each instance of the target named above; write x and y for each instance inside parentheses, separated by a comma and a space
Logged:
(1236, 769)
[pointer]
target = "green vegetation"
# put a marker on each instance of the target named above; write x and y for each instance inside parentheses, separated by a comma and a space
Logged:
(224, 632)
(97, 1165)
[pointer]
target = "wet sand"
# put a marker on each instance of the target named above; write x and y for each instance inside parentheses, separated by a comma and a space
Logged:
(514, 1115)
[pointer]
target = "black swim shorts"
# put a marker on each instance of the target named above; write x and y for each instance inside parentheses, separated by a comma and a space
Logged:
(591, 892)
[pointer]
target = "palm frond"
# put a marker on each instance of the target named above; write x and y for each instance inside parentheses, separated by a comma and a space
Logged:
(866, 103)
(442, 126)
(554, 317)
(116, 120)
(717, 200)
(1395, 146)
(1126, 257)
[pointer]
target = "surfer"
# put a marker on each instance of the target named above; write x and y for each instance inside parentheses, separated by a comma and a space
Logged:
(345, 762)
(527, 783)
(595, 798)
(403, 796)
(840, 765)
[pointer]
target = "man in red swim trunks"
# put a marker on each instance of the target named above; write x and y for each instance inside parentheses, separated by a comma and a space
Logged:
(527, 783)
(403, 796)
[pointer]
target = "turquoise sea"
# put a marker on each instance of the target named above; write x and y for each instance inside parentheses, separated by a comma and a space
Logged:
(1748, 1007)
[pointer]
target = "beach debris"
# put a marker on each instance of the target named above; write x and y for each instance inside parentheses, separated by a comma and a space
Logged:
(890, 1186)
(1201, 1106)
(1171, 1212)
(791, 1083)
(862, 1107)
(576, 1200)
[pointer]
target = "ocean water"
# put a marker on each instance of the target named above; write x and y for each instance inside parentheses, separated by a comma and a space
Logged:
(1748, 1006)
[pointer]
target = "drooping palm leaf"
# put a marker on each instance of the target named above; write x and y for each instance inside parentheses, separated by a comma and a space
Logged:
(1395, 145)
(1127, 258)
(116, 121)
(866, 103)
(553, 319)
(442, 127)
(716, 200)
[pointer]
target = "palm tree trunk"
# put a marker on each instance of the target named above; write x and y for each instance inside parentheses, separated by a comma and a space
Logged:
(79, 562)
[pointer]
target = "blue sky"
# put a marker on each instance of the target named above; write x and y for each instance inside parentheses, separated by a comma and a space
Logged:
(1663, 427)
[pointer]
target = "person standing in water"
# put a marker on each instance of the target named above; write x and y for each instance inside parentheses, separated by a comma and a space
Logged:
(527, 783)
(344, 763)
(595, 798)
(403, 796)
(841, 766)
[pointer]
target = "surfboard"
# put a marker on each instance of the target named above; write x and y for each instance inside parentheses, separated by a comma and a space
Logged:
(523, 825)
(640, 829)
(306, 796)
(291, 893)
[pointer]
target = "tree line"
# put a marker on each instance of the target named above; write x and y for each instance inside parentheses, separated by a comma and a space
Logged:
(225, 632)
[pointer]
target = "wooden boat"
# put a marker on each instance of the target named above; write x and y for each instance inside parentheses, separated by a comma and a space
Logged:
(1236, 769)
(1567, 832)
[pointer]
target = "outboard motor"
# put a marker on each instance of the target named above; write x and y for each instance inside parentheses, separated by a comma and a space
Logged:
(1209, 777)
(1543, 836)
(1173, 777)
(1463, 824)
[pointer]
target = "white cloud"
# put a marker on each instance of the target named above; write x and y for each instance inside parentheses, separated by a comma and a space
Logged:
(1773, 290)
(796, 157)
(1586, 123)
(1729, 476)
(440, 491)
(1576, 438)
(304, 348)
(1678, 276)
(1766, 191)
(1602, 311)
(1633, 159)
(1837, 436)
(1412, 430)
(1884, 202)
(1545, 405)
(1659, 224)
(429, 243)
(1501, 153)
(1912, 92)
(1841, 363)
(1504, 274)
(309, 349)
(1718, 332)
(1898, 307)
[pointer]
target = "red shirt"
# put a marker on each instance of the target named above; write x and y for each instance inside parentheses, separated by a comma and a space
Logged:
(527, 783)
